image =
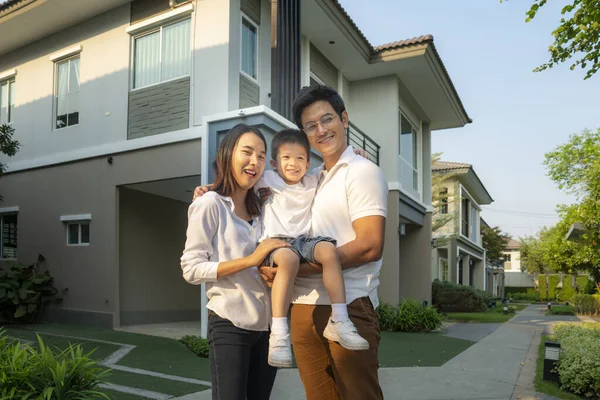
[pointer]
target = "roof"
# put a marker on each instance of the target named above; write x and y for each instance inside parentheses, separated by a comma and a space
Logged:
(9, 6)
(424, 39)
(512, 245)
(449, 166)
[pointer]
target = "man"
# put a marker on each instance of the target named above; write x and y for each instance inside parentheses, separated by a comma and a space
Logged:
(351, 207)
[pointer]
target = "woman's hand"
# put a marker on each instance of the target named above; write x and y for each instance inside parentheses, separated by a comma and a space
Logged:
(306, 269)
(201, 191)
(264, 248)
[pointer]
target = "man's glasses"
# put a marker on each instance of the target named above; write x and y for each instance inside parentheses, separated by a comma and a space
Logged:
(326, 122)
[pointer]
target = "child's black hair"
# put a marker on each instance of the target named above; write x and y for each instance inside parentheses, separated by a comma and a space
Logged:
(289, 136)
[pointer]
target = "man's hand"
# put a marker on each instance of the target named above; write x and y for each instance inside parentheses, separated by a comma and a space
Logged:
(264, 193)
(362, 153)
(201, 191)
(306, 269)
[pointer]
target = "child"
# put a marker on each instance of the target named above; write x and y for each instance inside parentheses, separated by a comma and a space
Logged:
(287, 216)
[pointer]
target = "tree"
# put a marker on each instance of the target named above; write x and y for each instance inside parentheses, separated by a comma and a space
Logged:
(578, 35)
(494, 243)
(439, 196)
(8, 146)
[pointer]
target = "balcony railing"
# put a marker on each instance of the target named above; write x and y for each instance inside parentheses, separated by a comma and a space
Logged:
(361, 140)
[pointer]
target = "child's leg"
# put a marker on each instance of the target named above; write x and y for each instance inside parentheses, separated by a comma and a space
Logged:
(333, 280)
(287, 263)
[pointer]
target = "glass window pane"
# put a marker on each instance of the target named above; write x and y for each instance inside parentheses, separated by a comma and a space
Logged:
(249, 48)
(176, 50)
(406, 140)
(146, 60)
(85, 233)
(62, 82)
(73, 234)
(72, 108)
(74, 75)
(9, 236)
(61, 111)
(4, 103)
(11, 101)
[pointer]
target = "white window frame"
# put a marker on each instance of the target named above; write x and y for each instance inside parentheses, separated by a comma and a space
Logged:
(3, 213)
(464, 194)
(257, 27)
(149, 31)
(9, 81)
(57, 62)
(418, 158)
(79, 225)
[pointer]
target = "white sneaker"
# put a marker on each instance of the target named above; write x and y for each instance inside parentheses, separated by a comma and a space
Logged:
(280, 351)
(345, 333)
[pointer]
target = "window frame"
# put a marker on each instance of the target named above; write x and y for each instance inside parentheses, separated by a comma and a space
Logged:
(243, 17)
(9, 81)
(417, 137)
(2, 215)
(58, 62)
(444, 196)
(441, 269)
(79, 224)
(150, 31)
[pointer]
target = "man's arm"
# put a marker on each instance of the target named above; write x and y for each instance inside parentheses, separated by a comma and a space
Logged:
(368, 244)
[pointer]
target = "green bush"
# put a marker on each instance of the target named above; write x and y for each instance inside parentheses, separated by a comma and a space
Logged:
(588, 304)
(24, 292)
(525, 296)
(514, 289)
(450, 297)
(196, 344)
(578, 368)
(543, 287)
(553, 281)
(408, 316)
(590, 288)
(27, 372)
(561, 294)
(562, 310)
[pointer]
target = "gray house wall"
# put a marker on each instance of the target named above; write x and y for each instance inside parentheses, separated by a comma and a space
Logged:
(323, 68)
(144, 9)
(252, 9)
(249, 92)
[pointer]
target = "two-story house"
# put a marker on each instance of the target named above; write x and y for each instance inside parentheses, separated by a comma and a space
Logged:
(119, 106)
(515, 276)
(458, 255)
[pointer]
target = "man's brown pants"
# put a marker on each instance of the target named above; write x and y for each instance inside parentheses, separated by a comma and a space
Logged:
(329, 371)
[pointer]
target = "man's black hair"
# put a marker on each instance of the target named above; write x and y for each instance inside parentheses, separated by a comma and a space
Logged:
(311, 94)
(289, 136)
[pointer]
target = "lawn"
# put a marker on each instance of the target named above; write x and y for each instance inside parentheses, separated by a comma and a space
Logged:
(546, 387)
(493, 315)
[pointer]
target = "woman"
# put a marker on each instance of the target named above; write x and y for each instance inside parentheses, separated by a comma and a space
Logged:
(220, 250)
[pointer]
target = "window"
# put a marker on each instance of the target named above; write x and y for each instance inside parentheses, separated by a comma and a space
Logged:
(507, 257)
(162, 55)
(78, 234)
(408, 155)
(465, 207)
(7, 101)
(444, 270)
(8, 230)
(444, 201)
(474, 225)
(249, 48)
(67, 93)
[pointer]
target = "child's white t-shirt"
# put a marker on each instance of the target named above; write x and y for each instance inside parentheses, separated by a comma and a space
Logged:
(286, 212)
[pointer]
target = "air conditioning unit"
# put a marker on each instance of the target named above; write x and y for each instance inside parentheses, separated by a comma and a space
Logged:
(177, 3)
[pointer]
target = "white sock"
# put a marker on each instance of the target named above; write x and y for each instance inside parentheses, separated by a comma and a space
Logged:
(339, 312)
(279, 326)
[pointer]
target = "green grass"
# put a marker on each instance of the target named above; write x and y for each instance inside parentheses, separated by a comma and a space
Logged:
(400, 349)
(153, 383)
(493, 315)
(113, 395)
(549, 388)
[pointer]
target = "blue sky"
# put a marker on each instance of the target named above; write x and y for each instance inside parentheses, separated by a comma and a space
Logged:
(518, 115)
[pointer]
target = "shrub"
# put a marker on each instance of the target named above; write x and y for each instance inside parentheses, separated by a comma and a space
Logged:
(196, 344)
(450, 297)
(588, 304)
(514, 289)
(525, 296)
(408, 316)
(24, 292)
(36, 373)
(562, 310)
(543, 287)
(578, 368)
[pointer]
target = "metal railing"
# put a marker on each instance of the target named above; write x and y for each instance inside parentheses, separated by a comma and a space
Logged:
(361, 140)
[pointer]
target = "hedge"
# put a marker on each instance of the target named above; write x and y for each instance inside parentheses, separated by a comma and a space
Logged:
(566, 293)
(450, 297)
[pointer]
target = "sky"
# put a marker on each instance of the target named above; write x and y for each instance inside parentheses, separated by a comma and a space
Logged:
(518, 115)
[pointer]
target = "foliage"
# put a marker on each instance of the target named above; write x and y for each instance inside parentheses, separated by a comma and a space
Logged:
(535, 296)
(8, 146)
(196, 344)
(587, 304)
(554, 292)
(24, 292)
(438, 186)
(494, 243)
(27, 372)
(562, 310)
(449, 297)
(579, 369)
(578, 34)
(408, 316)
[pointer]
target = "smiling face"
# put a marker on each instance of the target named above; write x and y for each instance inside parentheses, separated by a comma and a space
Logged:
(248, 160)
(330, 141)
(292, 162)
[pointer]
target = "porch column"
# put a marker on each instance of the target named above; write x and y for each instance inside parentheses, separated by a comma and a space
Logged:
(286, 52)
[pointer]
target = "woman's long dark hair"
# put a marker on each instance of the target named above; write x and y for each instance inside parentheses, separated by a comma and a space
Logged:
(225, 183)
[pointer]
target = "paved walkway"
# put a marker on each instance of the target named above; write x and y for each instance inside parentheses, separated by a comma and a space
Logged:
(489, 369)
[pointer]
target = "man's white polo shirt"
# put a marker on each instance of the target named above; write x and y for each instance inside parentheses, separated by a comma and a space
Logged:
(354, 188)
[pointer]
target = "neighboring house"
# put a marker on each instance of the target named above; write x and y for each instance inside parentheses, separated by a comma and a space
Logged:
(515, 276)
(119, 106)
(460, 258)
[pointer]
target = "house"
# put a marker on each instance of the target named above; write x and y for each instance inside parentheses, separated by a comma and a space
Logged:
(458, 255)
(119, 106)
(515, 276)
